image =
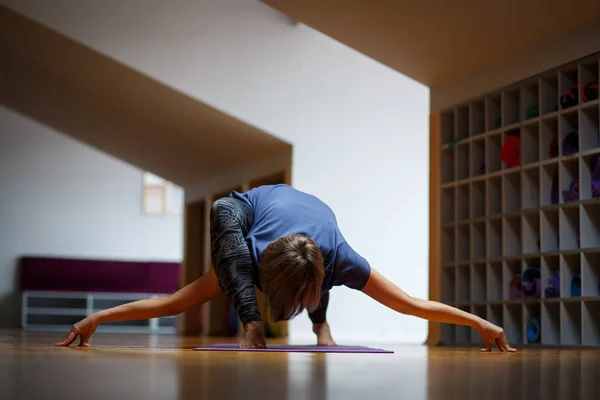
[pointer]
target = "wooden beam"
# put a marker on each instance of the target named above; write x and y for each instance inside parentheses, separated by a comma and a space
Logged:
(435, 330)
(189, 322)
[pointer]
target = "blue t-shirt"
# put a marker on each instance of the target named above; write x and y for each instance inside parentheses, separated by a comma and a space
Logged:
(280, 210)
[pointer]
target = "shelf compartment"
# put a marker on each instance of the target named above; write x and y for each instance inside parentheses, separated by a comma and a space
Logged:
(448, 161)
(494, 281)
(462, 122)
(448, 334)
(569, 175)
(530, 144)
(513, 323)
(549, 186)
(531, 233)
(532, 331)
(549, 138)
(510, 107)
(511, 184)
(567, 82)
(551, 323)
(591, 323)
(590, 225)
(464, 243)
(588, 73)
(531, 189)
(478, 234)
(512, 269)
(480, 311)
(479, 280)
(550, 231)
(512, 236)
(569, 228)
(463, 200)
(447, 125)
(570, 272)
(495, 315)
(568, 129)
(478, 199)
(462, 155)
(530, 105)
(494, 196)
(494, 238)
(448, 214)
(589, 123)
(478, 157)
(493, 119)
(549, 93)
(590, 273)
(463, 335)
(550, 271)
(493, 148)
(590, 175)
(477, 117)
(533, 266)
(513, 132)
(448, 244)
(448, 285)
(570, 321)
(64, 303)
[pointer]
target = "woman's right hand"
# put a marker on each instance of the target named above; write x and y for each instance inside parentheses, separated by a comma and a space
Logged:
(84, 329)
(254, 336)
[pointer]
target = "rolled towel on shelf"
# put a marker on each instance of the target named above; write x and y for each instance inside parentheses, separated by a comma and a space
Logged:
(534, 330)
(553, 290)
(576, 285)
(531, 283)
(514, 288)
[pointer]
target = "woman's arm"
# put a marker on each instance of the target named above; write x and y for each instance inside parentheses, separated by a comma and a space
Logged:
(197, 292)
(387, 293)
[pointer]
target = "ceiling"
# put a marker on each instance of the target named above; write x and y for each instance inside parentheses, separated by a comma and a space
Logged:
(84, 94)
(436, 41)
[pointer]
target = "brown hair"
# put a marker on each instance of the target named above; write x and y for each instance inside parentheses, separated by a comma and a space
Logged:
(291, 273)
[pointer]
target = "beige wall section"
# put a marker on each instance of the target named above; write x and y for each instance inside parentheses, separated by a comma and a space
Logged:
(543, 56)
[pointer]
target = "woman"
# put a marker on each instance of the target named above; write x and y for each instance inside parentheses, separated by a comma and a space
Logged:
(286, 243)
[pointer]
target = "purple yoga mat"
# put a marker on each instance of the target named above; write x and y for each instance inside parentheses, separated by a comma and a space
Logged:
(287, 348)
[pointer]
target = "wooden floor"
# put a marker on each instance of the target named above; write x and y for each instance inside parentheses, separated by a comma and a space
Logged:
(164, 367)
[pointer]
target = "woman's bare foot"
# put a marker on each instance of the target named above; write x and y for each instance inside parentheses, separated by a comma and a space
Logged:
(491, 333)
(323, 334)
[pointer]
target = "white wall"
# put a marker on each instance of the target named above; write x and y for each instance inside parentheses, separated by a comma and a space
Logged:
(359, 129)
(59, 197)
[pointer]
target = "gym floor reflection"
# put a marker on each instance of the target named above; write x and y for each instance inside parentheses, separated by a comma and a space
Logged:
(165, 367)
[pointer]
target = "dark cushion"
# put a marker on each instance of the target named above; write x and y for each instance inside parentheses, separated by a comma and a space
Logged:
(81, 275)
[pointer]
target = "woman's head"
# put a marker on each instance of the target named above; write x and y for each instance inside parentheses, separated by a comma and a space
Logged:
(291, 274)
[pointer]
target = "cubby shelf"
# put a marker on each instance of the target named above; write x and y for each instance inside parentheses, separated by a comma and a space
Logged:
(502, 220)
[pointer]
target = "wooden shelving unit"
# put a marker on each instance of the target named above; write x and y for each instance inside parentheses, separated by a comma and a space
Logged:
(500, 221)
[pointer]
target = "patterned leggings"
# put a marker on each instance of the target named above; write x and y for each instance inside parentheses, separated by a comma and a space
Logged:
(230, 222)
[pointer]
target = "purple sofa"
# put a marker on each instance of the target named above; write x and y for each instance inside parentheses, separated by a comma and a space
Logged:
(81, 275)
